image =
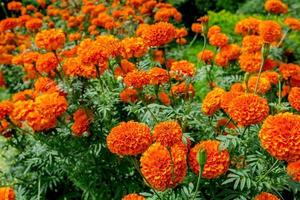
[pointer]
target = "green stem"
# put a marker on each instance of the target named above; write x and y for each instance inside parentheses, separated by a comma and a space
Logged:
(260, 69)
(3, 8)
(283, 38)
(198, 183)
(228, 121)
(193, 40)
(271, 168)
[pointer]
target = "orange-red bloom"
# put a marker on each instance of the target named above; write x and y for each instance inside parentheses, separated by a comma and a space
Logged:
(167, 133)
(7, 193)
(182, 68)
(158, 76)
(266, 196)
(82, 119)
(263, 85)
(212, 101)
(248, 26)
(46, 62)
(270, 31)
(134, 47)
(217, 161)
(250, 62)
(6, 107)
(51, 39)
(52, 104)
(218, 39)
(164, 98)
(276, 7)
(129, 95)
(293, 170)
(137, 79)
(252, 43)
(294, 98)
(129, 138)
(206, 55)
(280, 136)
(292, 23)
(133, 197)
(183, 89)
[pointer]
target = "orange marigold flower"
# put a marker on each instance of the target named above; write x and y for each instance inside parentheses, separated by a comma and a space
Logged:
(74, 36)
(181, 32)
(45, 85)
(213, 30)
(129, 138)
(159, 34)
(8, 23)
(248, 26)
(227, 97)
(211, 102)
(112, 45)
(248, 109)
(6, 59)
(276, 7)
(270, 31)
(237, 87)
(269, 64)
(134, 47)
(137, 79)
(21, 110)
(46, 62)
(34, 24)
(51, 39)
(6, 107)
(167, 133)
(39, 121)
(294, 98)
(289, 70)
(272, 76)
(182, 89)
(7, 193)
(158, 56)
(129, 95)
(280, 136)
(221, 60)
(182, 68)
(133, 197)
(197, 28)
(252, 43)
(292, 23)
(218, 39)
(51, 104)
(124, 68)
(206, 55)
(158, 76)
(72, 66)
(14, 5)
(164, 14)
(250, 62)
(24, 95)
(231, 51)
(82, 119)
(263, 85)
(217, 162)
(164, 98)
(295, 80)
(266, 196)
(167, 169)
(293, 170)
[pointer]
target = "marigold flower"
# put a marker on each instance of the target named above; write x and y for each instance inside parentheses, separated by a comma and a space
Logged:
(7, 193)
(292, 23)
(280, 136)
(211, 102)
(183, 89)
(164, 14)
(293, 170)
(133, 197)
(213, 30)
(82, 119)
(269, 64)
(137, 79)
(72, 66)
(39, 121)
(129, 138)
(14, 5)
(206, 55)
(230, 51)
(167, 133)
(248, 109)
(266, 196)
(182, 68)
(24, 95)
(289, 70)
(164, 98)
(51, 39)
(45, 85)
(217, 162)
(252, 43)
(221, 60)
(248, 26)
(74, 36)
(129, 95)
(250, 62)
(46, 62)
(34, 24)
(133, 47)
(21, 110)
(181, 32)
(263, 85)
(164, 168)
(218, 39)
(158, 76)
(294, 98)
(8, 23)
(6, 107)
(51, 104)
(272, 76)
(197, 28)
(270, 31)
(112, 45)
(295, 80)
(124, 68)
(159, 34)
(237, 87)
(227, 97)
(276, 7)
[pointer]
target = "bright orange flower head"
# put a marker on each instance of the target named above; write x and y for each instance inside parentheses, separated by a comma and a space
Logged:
(227, 97)
(45, 85)
(231, 52)
(129, 95)
(280, 136)
(51, 104)
(252, 43)
(248, 109)
(159, 34)
(237, 87)
(137, 79)
(34, 24)
(40, 122)
(218, 39)
(293, 170)
(248, 26)
(6, 107)
(24, 95)
(124, 68)
(206, 55)
(129, 138)
(289, 70)
(182, 68)
(250, 62)
(82, 119)
(211, 102)
(182, 89)
(112, 45)
(197, 28)
(213, 30)
(50, 40)
(294, 98)
(164, 168)
(164, 98)
(292, 23)
(270, 31)
(8, 23)
(133, 197)
(7, 193)
(74, 36)
(134, 47)
(72, 66)
(269, 64)
(158, 76)
(276, 7)
(14, 5)
(272, 76)
(266, 196)
(217, 162)
(263, 85)
(221, 60)
(167, 133)
(21, 111)
(46, 62)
